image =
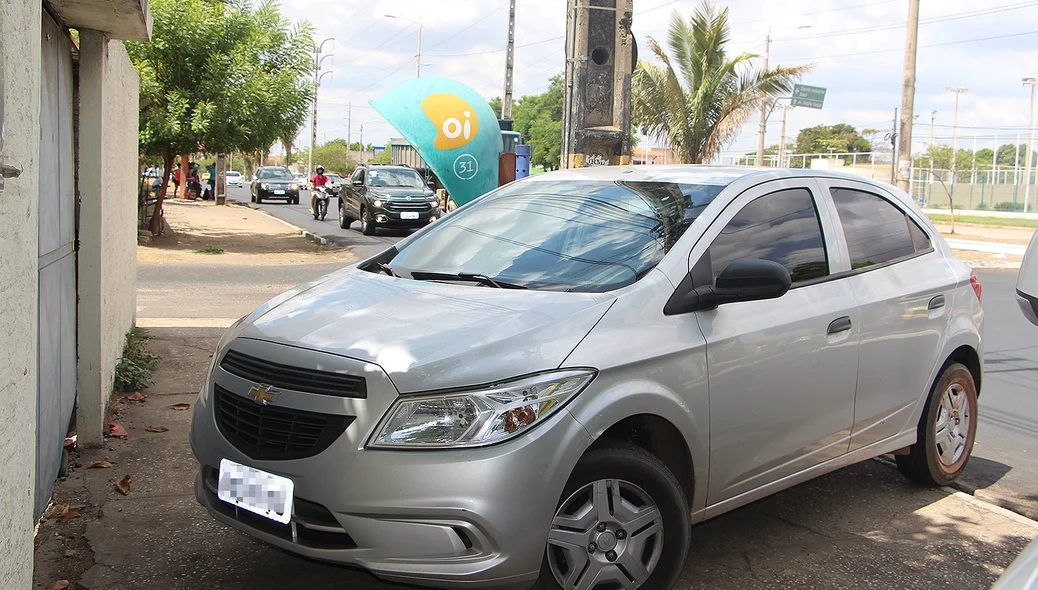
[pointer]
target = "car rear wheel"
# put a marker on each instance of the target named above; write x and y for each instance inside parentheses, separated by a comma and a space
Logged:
(367, 222)
(946, 430)
(623, 522)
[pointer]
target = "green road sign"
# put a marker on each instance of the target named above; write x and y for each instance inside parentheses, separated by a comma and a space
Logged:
(811, 97)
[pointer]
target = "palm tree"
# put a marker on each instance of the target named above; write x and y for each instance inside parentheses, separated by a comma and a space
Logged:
(700, 96)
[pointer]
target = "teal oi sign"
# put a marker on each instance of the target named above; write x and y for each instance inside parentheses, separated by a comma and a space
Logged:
(452, 127)
(811, 97)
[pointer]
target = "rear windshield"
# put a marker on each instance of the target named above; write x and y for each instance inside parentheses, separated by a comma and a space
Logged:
(588, 236)
(275, 173)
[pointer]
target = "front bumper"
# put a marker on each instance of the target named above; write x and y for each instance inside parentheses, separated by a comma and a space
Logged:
(269, 194)
(387, 217)
(473, 518)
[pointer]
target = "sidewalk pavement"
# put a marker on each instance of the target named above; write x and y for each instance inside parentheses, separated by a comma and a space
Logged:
(860, 527)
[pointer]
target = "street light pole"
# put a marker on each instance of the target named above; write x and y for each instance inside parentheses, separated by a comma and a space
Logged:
(1030, 141)
(313, 106)
(959, 90)
(764, 105)
(418, 52)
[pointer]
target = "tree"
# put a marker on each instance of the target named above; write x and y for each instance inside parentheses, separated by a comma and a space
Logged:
(495, 104)
(841, 138)
(539, 118)
(334, 157)
(220, 76)
(700, 96)
(384, 157)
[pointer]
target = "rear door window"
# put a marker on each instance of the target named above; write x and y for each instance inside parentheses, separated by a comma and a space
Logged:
(782, 227)
(877, 231)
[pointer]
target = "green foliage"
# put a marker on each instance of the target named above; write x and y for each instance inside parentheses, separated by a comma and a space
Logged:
(941, 155)
(840, 138)
(986, 221)
(539, 118)
(134, 369)
(700, 96)
(209, 250)
(1005, 206)
(495, 104)
(221, 76)
(334, 156)
(385, 157)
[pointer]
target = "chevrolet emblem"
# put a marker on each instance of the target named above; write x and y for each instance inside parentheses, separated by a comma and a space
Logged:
(261, 394)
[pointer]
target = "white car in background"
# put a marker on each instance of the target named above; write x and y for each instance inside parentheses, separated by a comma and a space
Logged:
(303, 181)
(234, 178)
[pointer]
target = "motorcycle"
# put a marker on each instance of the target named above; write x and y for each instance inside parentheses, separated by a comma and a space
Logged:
(321, 197)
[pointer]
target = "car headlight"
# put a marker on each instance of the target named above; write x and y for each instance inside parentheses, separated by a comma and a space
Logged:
(377, 204)
(264, 186)
(479, 417)
(295, 187)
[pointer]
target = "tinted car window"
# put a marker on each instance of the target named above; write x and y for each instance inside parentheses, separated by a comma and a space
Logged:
(876, 230)
(275, 173)
(587, 235)
(782, 227)
(920, 240)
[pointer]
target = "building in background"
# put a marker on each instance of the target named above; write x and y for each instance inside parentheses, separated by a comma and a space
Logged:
(68, 231)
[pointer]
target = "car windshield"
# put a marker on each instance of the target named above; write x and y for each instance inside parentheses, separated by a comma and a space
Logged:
(398, 178)
(234, 174)
(333, 177)
(275, 173)
(587, 236)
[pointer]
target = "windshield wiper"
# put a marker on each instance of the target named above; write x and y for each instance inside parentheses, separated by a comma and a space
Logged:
(386, 269)
(482, 279)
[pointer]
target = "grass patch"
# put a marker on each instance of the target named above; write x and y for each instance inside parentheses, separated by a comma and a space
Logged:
(984, 220)
(209, 250)
(134, 369)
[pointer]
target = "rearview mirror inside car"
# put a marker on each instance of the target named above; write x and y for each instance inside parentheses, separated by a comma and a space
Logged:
(744, 279)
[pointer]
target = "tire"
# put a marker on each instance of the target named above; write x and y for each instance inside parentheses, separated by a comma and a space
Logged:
(644, 481)
(324, 210)
(935, 459)
(259, 199)
(344, 221)
(294, 200)
(252, 197)
(367, 222)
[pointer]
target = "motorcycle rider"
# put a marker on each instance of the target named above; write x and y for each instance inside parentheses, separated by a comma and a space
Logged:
(319, 180)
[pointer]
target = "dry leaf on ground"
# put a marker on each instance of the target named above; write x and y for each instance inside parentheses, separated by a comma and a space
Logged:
(156, 429)
(105, 464)
(135, 397)
(181, 406)
(117, 430)
(123, 485)
(70, 441)
(59, 585)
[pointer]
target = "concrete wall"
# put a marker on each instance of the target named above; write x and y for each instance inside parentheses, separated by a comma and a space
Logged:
(107, 223)
(20, 52)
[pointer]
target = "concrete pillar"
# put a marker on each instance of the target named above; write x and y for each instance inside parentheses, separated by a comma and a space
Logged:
(20, 50)
(92, 391)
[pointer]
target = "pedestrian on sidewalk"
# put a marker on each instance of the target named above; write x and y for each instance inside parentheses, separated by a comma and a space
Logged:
(211, 188)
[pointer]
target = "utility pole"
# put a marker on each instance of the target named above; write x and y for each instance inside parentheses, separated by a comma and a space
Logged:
(782, 141)
(893, 150)
(318, 58)
(959, 90)
(908, 97)
(349, 124)
(929, 177)
(1030, 141)
(506, 100)
(764, 105)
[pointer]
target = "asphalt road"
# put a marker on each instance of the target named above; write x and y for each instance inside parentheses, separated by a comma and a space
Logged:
(1005, 454)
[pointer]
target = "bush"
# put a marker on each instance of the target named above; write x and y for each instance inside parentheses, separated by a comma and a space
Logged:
(1005, 206)
(134, 369)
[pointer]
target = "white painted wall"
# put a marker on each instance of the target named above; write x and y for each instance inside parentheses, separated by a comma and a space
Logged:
(107, 224)
(20, 52)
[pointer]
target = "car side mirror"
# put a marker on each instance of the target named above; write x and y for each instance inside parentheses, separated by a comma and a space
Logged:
(1027, 282)
(431, 184)
(745, 279)
(358, 182)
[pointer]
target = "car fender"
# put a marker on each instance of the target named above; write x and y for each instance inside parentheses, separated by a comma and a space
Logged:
(613, 400)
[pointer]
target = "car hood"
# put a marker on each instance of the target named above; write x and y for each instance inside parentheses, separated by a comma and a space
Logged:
(394, 192)
(429, 335)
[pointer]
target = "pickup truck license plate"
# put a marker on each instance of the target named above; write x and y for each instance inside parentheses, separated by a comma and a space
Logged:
(279, 192)
(409, 215)
(257, 491)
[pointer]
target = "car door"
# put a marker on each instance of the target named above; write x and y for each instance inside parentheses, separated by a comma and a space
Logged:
(903, 288)
(355, 192)
(782, 371)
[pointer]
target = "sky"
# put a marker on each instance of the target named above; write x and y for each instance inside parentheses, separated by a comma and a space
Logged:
(856, 48)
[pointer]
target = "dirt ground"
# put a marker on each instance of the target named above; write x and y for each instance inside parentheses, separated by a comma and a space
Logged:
(245, 236)
(987, 233)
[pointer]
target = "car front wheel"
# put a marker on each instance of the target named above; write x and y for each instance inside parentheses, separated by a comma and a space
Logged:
(344, 220)
(946, 430)
(623, 522)
(367, 222)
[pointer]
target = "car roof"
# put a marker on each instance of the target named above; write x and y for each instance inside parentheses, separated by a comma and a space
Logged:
(692, 174)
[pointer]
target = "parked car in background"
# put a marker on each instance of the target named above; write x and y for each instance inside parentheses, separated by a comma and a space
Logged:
(234, 178)
(334, 183)
(616, 353)
(387, 196)
(302, 180)
(275, 182)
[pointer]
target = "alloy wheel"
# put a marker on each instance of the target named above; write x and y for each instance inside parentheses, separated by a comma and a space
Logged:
(608, 532)
(952, 428)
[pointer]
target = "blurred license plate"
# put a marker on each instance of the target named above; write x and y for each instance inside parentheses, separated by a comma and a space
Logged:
(257, 491)
(279, 192)
(409, 215)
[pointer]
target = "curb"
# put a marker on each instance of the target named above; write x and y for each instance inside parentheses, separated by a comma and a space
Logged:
(315, 238)
(992, 264)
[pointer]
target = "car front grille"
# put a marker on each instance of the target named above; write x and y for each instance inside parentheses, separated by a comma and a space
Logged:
(406, 206)
(294, 378)
(313, 524)
(266, 432)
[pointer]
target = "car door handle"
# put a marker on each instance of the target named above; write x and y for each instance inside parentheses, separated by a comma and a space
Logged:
(840, 325)
(936, 303)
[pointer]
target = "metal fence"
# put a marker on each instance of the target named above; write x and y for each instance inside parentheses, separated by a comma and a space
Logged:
(995, 187)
